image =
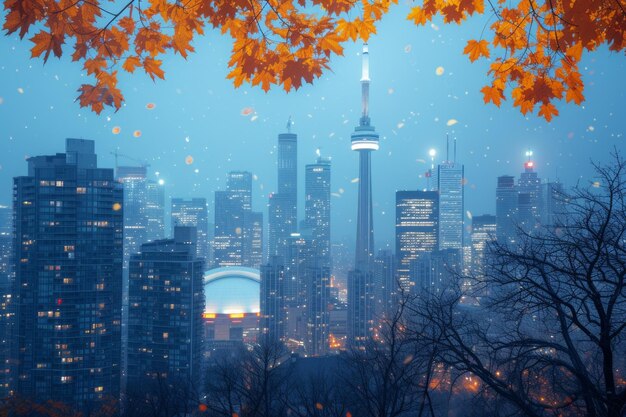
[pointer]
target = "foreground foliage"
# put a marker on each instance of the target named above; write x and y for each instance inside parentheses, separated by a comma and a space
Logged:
(537, 44)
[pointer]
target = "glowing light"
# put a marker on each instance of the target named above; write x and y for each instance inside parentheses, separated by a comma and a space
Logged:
(137, 133)
(432, 153)
(238, 230)
(116, 130)
(596, 184)
(439, 71)
(236, 315)
(161, 181)
(117, 206)
(529, 164)
(189, 160)
(20, 90)
(365, 144)
(529, 153)
(253, 118)
(209, 315)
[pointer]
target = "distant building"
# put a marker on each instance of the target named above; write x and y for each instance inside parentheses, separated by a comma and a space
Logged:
(154, 211)
(238, 237)
(166, 302)
(317, 208)
(193, 213)
(68, 282)
(283, 205)
(555, 207)
(272, 301)
(386, 289)
(506, 210)
(436, 271)
(417, 230)
(530, 199)
(450, 178)
(483, 232)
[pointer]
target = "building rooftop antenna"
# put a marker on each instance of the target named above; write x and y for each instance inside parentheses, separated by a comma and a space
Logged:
(289, 124)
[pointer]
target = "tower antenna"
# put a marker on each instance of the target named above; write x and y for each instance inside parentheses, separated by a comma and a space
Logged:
(455, 150)
(289, 124)
(447, 148)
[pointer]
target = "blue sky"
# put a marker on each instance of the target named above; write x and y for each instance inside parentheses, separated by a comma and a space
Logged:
(199, 113)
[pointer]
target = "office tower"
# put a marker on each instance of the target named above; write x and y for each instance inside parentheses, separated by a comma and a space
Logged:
(133, 180)
(283, 205)
(385, 284)
(530, 201)
(417, 229)
(317, 207)
(272, 301)
(554, 208)
(154, 210)
(238, 236)
(166, 302)
(450, 185)
(483, 232)
(506, 210)
(364, 140)
(436, 271)
(253, 239)
(193, 213)
(68, 282)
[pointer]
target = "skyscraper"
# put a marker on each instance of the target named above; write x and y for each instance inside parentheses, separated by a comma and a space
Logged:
(68, 283)
(272, 300)
(166, 300)
(364, 140)
(450, 178)
(133, 180)
(154, 210)
(483, 232)
(6, 280)
(385, 284)
(283, 205)
(238, 237)
(506, 210)
(417, 230)
(554, 208)
(530, 201)
(193, 213)
(317, 207)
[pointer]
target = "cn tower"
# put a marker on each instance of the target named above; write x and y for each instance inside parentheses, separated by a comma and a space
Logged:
(364, 141)
(360, 280)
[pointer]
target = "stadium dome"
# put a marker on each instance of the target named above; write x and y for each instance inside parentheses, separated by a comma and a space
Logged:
(232, 290)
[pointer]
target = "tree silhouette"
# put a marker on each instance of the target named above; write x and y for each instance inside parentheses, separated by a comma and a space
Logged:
(549, 335)
(287, 42)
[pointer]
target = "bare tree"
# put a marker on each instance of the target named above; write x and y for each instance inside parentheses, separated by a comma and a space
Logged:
(548, 337)
(390, 376)
(250, 382)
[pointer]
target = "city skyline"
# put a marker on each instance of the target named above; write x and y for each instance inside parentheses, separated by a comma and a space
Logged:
(221, 139)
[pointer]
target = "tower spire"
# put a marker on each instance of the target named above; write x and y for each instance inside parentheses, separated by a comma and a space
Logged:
(365, 86)
(289, 123)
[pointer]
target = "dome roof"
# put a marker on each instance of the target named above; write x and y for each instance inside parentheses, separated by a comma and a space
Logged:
(229, 290)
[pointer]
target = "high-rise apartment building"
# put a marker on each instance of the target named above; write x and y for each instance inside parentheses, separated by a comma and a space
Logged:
(166, 302)
(68, 280)
(530, 199)
(272, 301)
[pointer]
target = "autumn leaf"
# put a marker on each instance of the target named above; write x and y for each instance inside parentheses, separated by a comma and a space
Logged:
(131, 63)
(476, 49)
(548, 110)
(493, 95)
(153, 68)
(418, 16)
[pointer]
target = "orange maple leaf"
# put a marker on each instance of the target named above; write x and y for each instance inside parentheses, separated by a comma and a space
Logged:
(476, 49)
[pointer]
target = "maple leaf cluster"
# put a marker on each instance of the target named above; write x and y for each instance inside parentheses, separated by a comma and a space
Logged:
(540, 43)
(275, 42)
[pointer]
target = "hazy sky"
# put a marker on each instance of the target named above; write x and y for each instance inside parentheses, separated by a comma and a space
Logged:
(199, 113)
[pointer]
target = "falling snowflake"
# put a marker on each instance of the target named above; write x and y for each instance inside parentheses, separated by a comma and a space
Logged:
(439, 71)
(452, 122)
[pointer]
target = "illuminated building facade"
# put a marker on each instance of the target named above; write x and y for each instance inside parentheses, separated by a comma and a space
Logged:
(166, 302)
(317, 207)
(417, 230)
(193, 213)
(483, 232)
(68, 280)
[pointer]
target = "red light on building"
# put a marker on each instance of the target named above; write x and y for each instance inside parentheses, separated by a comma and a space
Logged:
(529, 164)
